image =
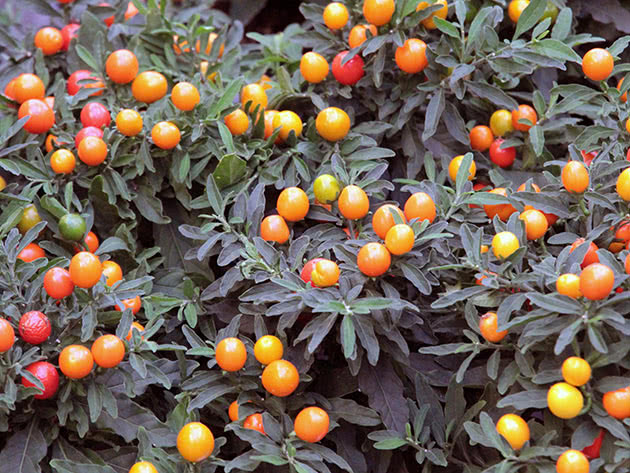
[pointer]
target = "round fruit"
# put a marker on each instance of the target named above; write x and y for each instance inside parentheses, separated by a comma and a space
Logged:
(92, 150)
(307, 270)
(134, 304)
(411, 57)
(135, 326)
(85, 132)
(564, 401)
(30, 218)
(373, 259)
(351, 72)
(274, 228)
(314, 67)
(292, 204)
(598, 64)
(572, 461)
(237, 122)
(623, 185)
(596, 281)
(85, 269)
(69, 32)
(165, 135)
(47, 374)
(129, 122)
(195, 442)
(400, 239)
(325, 273)
(58, 283)
(112, 272)
(34, 327)
(311, 424)
(149, 87)
(576, 371)
(326, 189)
(73, 85)
(91, 242)
(332, 124)
(76, 361)
(254, 422)
(280, 378)
(268, 348)
(233, 411)
(7, 336)
(231, 354)
(591, 254)
(501, 122)
(481, 137)
(41, 117)
(108, 351)
(353, 202)
(335, 15)
(502, 157)
(383, 220)
(358, 34)
(95, 114)
(454, 165)
(513, 429)
(502, 210)
(617, 403)
(52, 142)
(504, 244)
(122, 66)
(378, 12)
(255, 95)
(72, 227)
(31, 252)
(569, 285)
(49, 40)
(143, 467)
(624, 97)
(27, 87)
(288, 122)
(575, 177)
(185, 96)
(63, 161)
(535, 224)
(429, 22)
(488, 328)
(524, 112)
(516, 8)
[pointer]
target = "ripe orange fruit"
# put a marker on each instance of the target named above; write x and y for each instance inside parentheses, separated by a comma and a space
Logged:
(49, 40)
(421, 206)
(575, 177)
(481, 137)
(516, 8)
(52, 142)
(134, 304)
(185, 96)
(85, 269)
(288, 122)
(314, 67)
(596, 281)
(268, 348)
(62, 161)
(292, 204)
(488, 328)
(112, 272)
(383, 220)
(400, 239)
(231, 354)
(274, 228)
(624, 97)
(254, 93)
(501, 122)
(617, 403)
(564, 401)
(535, 224)
(504, 244)
(429, 22)
(195, 442)
(513, 429)
(42, 118)
(108, 351)
(332, 124)
(353, 202)
(237, 122)
(524, 112)
(591, 255)
(27, 86)
(58, 283)
(129, 122)
(311, 424)
(143, 467)
(91, 240)
(233, 411)
(280, 378)
(378, 12)
(569, 285)
(7, 336)
(373, 259)
(502, 210)
(269, 116)
(598, 64)
(76, 361)
(623, 185)
(454, 165)
(572, 461)
(122, 66)
(165, 135)
(335, 15)
(149, 87)
(254, 422)
(358, 34)
(31, 252)
(134, 326)
(92, 150)
(411, 57)
(325, 273)
(576, 371)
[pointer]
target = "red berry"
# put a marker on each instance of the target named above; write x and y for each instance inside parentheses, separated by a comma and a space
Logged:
(87, 131)
(502, 157)
(67, 33)
(95, 114)
(308, 269)
(351, 72)
(34, 327)
(47, 374)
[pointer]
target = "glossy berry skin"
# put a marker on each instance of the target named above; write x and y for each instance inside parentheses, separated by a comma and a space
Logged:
(47, 374)
(237, 122)
(134, 304)
(165, 135)
(353, 202)
(456, 162)
(598, 64)
(95, 114)
(255, 96)
(591, 254)
(231, 354)
(34, 327)
(351, 72)
(326, 189)
(73, 85)
(288, 121)
(488, 328)
(255, 422)
(569, 285)
(85, 132)
(31, 252)
(85, 269)
(524, 112)
(378, 12)
(335, 15)
(535, 223)
(62, 161)
(41, 117)
(504, 244)
(575, 177)
(325, 273)
(617, 403)
(195, 442)
(576, 371)
(129, 122)
(49, 40)
(481, 137)
(108, 351)
(143, 467)
(429, 22)
(501, 122)
(373, 259)
(122, 66)
(314, 67)
(7, 335)
(383, 219)
(268, 348)
(502, 157)
(67, 33)
(399, 239)
(623, 183)
(274, 228)
(280, 378)
(292, 204)
(307, 270)
(597, 281)
(76, 361)
(332, 124)
(233, 411)
(502, 210)
(149, 87)
(411, 57)
(311, 424)
(358, 35)
(92, 150)
(58, 283)
(185, 96)
(572, 461)
(514, 429)
(564, 401)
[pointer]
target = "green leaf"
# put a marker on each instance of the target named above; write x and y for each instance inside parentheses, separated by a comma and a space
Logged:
(492, 93)
(529, 17)
(537, 138)
(348, 336)
(87, 57)
(390, 444)
(446, 27)
(433, 114)
(229, 171)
